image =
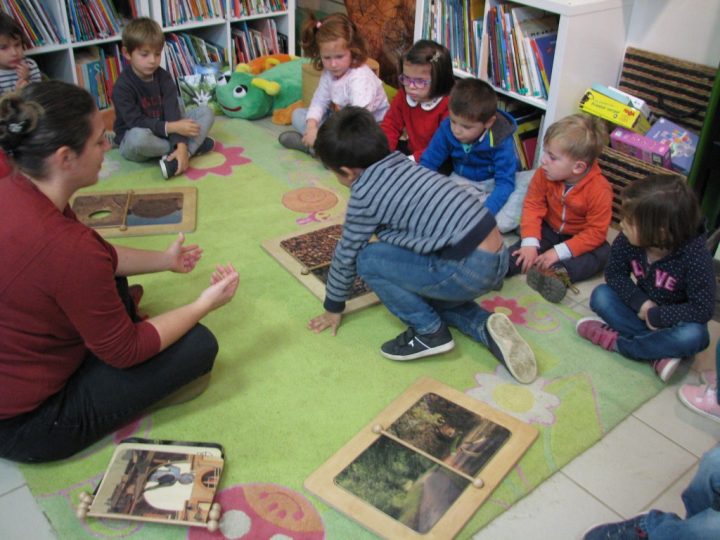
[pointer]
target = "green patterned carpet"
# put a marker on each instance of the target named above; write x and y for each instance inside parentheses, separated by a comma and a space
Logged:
(283, 400)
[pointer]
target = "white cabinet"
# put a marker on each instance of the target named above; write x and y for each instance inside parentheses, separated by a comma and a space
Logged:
(590, 45)
(58, 61)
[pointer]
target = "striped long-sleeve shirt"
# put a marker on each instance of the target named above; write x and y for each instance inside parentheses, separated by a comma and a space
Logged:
(408, 206)
(9, 78)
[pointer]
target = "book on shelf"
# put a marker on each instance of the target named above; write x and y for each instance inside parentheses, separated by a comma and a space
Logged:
(521, 49)
(185, 52)
(92, 19)
(172, 482)
(246, 8)
(257, 39)
(36, 22)
(90, 72)
(175, 12)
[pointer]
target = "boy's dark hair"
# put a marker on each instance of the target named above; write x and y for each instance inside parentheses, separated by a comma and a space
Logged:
(10, 28)
(41, 118)
(663, 209)
(580, 136)
(142, 31)
(428, 52)
(333, 27)
(350, 138)
(473, 99)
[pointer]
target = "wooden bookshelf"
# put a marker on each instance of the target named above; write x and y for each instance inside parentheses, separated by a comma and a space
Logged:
(60, 59)
(590, 45)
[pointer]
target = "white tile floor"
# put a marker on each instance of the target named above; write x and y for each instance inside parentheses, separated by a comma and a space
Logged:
(645, 462)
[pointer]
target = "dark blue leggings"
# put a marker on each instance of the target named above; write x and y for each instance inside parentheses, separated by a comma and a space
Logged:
(99, 399)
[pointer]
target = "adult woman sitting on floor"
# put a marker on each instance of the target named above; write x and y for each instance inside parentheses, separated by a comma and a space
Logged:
(76, 362)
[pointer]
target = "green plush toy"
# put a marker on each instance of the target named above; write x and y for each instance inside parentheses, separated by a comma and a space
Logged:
(277, 90)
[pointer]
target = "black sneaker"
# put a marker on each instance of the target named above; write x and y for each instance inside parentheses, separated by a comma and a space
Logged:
(510, 348)
(293, 141)
(207, 146)
(168, 168)
(409, 345)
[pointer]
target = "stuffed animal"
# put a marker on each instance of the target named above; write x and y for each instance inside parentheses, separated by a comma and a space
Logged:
(265, 62)
(277, 91)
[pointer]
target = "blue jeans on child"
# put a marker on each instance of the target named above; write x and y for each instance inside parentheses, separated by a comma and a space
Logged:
(141, 144)
(99, 399)
(425, 290)
(702, 504)
(636, 340)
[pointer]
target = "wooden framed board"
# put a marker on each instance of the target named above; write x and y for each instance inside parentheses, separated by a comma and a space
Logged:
(307, 255)
(137, 212)
(424, 465)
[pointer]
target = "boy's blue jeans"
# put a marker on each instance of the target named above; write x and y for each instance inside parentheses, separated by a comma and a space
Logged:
(424, 291)
(702, 504)
(636, 340)
(141, 144)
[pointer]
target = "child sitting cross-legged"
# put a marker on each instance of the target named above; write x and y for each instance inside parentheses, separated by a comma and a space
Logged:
(567, 210)
(478, 139)
(660, 283)
(439, 248)
(148, 120)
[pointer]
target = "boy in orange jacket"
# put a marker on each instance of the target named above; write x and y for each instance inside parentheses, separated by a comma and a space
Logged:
(567, 210)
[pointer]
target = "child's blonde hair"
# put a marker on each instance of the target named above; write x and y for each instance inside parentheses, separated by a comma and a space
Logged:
(142, 31)
(333, 27)
(580, 136)
(663, 209)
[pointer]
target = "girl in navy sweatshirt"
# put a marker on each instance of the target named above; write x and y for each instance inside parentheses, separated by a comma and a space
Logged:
(660, 284)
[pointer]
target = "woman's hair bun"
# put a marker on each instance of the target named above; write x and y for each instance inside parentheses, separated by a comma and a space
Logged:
(18, 118)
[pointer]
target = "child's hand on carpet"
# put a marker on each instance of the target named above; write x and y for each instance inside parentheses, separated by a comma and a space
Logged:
(326, 320)
(182, 259)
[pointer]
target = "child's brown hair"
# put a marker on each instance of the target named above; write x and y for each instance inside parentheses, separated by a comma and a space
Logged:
(10, 28)
(580, 136)
(333, 27)
(142, 31)
(663, 209)
(473, 99)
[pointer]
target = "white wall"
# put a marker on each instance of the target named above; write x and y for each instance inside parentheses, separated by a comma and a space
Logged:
(685, 29)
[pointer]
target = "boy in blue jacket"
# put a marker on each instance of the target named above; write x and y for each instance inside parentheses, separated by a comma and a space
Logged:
(479, 140)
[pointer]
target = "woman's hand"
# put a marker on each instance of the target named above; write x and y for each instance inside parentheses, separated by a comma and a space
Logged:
(182, 259)
(224, 282)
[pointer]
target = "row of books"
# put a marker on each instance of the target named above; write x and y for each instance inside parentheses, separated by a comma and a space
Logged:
(529, 122)
(259, 39)
(97, 68)
(521, 48)
(92, 19)
(184, 53)
(245, 8)
(36, 22)
(176, 12)
(457, 24)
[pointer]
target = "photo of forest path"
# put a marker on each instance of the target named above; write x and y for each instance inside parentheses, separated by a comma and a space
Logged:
(410, 487)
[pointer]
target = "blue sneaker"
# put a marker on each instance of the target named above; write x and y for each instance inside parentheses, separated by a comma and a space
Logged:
(632, 529)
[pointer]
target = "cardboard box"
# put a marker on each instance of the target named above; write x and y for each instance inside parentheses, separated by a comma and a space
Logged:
(595, 103)
(641, 147)
(624, 97)
(682, 142)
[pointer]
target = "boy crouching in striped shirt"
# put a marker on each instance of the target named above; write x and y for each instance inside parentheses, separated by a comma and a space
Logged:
(439, 248)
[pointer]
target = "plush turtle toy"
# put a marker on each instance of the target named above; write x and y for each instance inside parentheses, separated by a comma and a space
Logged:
(276, 91)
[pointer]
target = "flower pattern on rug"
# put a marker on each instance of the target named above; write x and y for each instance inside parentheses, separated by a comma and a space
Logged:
(527, 402)
(220, 162)
(508, 306)
(267, 511)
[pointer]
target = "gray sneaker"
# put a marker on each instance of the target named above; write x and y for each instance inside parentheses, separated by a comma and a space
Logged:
(510, 348)
(293, 141)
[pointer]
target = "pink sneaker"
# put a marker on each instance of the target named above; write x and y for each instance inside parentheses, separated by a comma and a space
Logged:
(665, 367)
(596, 331)
(709, 376)
(701, 398)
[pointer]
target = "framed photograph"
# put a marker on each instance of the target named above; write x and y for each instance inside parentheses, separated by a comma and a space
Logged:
(138, 212)
(307, 256)
(424, 465)
(160, 481)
